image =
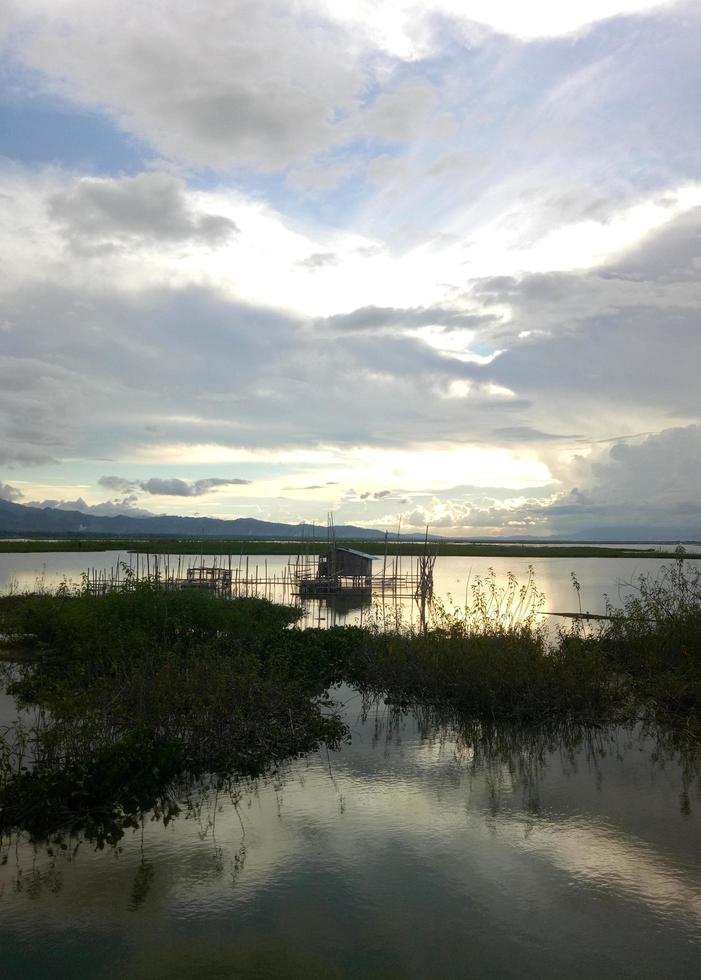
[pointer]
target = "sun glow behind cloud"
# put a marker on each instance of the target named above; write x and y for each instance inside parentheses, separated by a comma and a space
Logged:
(369, 466)
(265, 262)
(402, 27)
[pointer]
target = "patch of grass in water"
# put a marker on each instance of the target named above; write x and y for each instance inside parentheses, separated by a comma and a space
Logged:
(139, 686)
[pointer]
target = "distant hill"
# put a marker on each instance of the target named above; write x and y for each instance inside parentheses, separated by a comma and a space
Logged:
(17, 519)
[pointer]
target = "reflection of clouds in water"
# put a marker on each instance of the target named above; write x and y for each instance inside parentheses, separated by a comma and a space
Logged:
(600, 857)
(427, 816)
(389, 807)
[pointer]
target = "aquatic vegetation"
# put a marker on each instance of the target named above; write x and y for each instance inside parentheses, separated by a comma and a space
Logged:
(490, 658)
(654, 640)
(512, 674)
(140, 686)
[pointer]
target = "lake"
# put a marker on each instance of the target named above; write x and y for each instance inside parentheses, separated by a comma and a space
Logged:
(453, 580)
(418, 850)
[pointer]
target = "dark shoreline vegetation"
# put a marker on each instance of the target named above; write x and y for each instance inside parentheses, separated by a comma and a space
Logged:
(250, 546)
(133, 694)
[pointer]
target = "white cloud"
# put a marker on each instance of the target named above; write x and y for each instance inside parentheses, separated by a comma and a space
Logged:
(106, 508)
(642, 489)
(404, 28)
(10, 493)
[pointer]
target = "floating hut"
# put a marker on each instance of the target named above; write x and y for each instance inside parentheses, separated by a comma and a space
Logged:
(337, 570)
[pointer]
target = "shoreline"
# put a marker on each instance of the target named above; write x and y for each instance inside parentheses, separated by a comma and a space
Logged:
(236, 548)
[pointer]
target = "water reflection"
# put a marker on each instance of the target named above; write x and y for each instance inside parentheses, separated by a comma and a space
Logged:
(534, 849)
(337, 610)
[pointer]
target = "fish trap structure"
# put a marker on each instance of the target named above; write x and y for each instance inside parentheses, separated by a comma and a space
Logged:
(334, 576)
(210, 578)
(339, 571)
(227, 577)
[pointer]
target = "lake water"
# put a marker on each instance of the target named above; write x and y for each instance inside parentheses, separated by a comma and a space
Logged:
(453, 580)
(417, 850)
(414, 852)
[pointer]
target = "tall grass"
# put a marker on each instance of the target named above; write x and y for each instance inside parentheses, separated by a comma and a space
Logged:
(654, 639)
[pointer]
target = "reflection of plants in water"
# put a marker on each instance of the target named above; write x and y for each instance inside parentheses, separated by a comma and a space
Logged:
(238, 862)
(512, 757)
(36, 867)
(36, 881)
(509, 762)
(143, 879)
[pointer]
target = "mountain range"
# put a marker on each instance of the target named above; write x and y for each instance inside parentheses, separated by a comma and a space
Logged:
(18, 519)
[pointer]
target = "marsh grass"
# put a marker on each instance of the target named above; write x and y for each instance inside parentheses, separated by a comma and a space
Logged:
(139, 686)
(490, 658)
(654, 641)
(507, 674)
(494, 659)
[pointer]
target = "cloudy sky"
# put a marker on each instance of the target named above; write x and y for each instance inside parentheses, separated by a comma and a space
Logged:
(434, 261)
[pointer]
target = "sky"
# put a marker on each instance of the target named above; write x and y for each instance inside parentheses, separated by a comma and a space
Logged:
(412, 263)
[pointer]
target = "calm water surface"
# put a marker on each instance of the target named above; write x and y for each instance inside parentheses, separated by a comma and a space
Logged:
(415, 851)
(453, 579)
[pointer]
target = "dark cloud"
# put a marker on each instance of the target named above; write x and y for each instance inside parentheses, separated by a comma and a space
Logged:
(181, 488)
(637, 490)
(117, 483)
(378, 318)
(99, 373)
(172, 487)
(19, 456)
(150, 206)
(619, 343)
(526, 433)
(671, 256)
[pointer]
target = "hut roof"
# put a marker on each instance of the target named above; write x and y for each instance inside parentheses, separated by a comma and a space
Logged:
(358, 554)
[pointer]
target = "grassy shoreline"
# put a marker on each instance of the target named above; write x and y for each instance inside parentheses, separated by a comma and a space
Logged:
(225, 546)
